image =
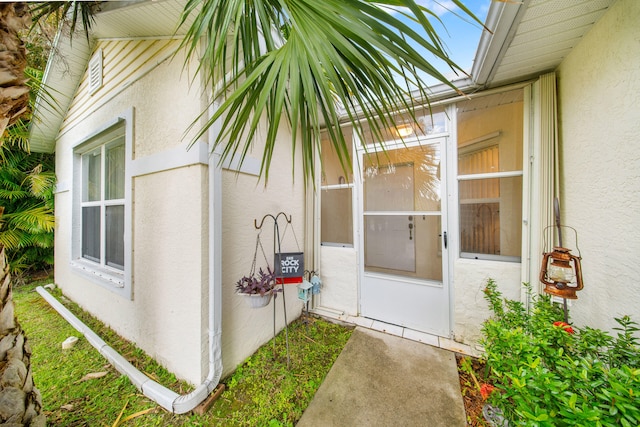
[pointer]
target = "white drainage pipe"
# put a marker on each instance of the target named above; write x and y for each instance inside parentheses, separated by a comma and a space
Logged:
(168, 399)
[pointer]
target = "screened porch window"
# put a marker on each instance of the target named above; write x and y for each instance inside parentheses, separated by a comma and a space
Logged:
(490, 176)
(336, 227)
(103, 200)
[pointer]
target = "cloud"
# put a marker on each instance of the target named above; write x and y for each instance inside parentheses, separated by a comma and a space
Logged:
(438, 7)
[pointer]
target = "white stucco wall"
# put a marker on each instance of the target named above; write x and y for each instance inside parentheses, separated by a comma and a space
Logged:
(339, 272)
(599, 94)
(469, 306)
(246, 199)
(168, 313)
(169, 237)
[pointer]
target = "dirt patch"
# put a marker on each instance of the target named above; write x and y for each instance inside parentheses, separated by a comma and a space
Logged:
(470, 381)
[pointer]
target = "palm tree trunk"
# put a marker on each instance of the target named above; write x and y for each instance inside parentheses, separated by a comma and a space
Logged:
(20, 400)
(14, 94)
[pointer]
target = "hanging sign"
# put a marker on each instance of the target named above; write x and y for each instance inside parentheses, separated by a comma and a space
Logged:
(289, 267)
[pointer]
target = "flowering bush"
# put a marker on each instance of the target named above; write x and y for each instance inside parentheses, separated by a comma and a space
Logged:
(549, 373)
(486, 390)
(564, 326)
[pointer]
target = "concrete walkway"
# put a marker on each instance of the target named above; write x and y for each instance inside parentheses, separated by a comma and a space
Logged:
(384, 380)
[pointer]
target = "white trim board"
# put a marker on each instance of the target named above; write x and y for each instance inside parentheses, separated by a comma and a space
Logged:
(173, 158)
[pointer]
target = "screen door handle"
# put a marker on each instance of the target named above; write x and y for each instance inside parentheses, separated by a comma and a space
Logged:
(444, 238)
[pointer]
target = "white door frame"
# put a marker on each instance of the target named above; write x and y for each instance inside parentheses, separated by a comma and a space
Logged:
(445, 214)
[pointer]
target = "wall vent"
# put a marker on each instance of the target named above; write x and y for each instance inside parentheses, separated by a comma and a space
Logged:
(95, 72)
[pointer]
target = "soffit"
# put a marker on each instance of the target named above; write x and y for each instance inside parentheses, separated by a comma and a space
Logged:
(133, 19)
(542, 34)
(141, 19)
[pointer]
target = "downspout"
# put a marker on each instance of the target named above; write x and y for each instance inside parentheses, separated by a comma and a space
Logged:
(168, 399)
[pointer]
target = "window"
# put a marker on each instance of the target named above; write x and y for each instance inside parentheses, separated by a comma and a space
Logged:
(101, 199)
(490, 176)
(103, 202)
(428, 122)
(336, 199)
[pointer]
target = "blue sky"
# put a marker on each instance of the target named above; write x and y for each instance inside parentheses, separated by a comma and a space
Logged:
(458, 33)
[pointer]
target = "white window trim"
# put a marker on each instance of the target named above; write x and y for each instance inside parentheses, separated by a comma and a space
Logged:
(340, 187)
(489, 175)
(117, 281)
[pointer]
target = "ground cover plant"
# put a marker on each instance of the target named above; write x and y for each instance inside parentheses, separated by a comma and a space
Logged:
(545, 372)
(79, 388)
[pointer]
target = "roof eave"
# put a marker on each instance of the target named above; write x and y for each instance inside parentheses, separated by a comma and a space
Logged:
(66, 66)
(500, 27)
(62, 76)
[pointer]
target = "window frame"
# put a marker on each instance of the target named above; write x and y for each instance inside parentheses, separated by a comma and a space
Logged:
(484, 176)
(329, 188)
(477, 145)
(343, 183)
(111, 278)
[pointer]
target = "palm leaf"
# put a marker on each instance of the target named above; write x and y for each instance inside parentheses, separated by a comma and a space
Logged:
(12, 239)
(42, 240)
(36, 219)
(310, 63)
(75, 12)
(46, 94)
(12, 194)
(40, 183)
(17, 135)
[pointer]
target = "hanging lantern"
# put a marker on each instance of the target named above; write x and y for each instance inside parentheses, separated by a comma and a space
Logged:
(317, 284)
(304, 291)
(561, 273)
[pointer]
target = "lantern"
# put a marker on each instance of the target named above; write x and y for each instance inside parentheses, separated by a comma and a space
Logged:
(316, 283)
(304, 291)
(561, 273)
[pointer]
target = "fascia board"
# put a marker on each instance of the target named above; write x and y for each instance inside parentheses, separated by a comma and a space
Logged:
(62, 76)
(501, 24)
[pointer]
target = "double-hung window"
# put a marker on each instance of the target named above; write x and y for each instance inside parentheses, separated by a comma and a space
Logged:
(103, 178)
(102, 196)
(490, 176)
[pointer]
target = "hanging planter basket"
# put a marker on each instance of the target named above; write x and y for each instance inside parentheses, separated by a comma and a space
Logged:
(257, 288)
(257, 300)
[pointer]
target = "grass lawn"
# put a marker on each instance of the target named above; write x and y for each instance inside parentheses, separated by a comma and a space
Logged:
(261, 392)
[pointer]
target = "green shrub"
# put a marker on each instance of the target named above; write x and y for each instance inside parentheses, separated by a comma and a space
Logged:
(549, 373)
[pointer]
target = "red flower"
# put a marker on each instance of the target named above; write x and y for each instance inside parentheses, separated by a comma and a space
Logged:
(564, 326)
(486, 390)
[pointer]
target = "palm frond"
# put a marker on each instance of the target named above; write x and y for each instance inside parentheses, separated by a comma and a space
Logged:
(39, 182)
(46, 94)
(36, 219)
(13, 194)
(75, 12)
(17, 135)
(41, 240)
(310, 63)
(13, 239)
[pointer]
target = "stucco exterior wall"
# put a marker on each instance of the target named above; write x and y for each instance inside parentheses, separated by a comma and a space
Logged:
(339, 271)
(599, 94)
(245, 199)
(169, 217)
(469, 306)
